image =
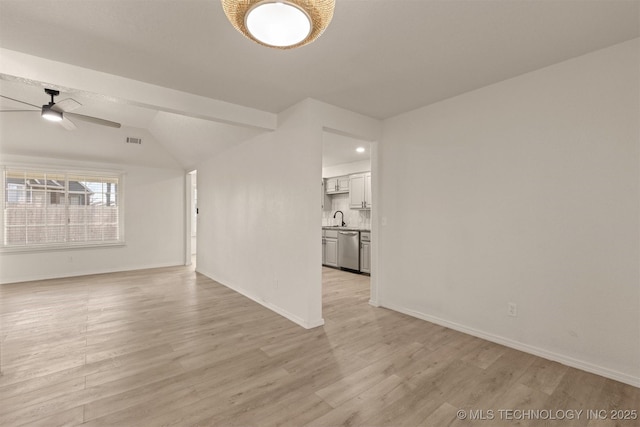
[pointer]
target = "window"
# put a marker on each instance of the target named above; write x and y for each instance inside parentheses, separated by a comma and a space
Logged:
(61, 208)
(16, 192)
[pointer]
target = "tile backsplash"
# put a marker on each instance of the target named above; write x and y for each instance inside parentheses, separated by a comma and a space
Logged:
(353, 217)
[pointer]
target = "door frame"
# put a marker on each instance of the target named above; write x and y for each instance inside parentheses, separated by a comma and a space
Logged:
(188, 223)
(375, 205)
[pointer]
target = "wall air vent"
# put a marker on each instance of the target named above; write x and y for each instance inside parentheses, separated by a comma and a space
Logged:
(132, 140)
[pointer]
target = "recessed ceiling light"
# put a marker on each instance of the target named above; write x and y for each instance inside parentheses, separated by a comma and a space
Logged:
(360, 149)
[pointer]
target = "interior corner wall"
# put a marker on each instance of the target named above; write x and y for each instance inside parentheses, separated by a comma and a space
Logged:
(524, 192)
(258, 221)
(154, 227)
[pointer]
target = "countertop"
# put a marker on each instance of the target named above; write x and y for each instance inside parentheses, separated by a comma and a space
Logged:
(327, 227)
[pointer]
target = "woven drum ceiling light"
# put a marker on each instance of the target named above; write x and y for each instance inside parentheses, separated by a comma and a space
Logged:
(283, 24)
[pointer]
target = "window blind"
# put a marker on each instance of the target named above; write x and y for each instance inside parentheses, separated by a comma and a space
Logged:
(53, 208)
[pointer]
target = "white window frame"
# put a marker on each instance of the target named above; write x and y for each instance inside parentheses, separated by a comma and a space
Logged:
(120, 197)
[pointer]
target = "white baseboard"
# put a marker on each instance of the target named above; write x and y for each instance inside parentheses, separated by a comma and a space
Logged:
(537, 351)
(31, 278)
(282, 312)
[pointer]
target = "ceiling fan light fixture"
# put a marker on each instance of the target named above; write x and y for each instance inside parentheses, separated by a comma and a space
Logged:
(51, 115)
(282, 24)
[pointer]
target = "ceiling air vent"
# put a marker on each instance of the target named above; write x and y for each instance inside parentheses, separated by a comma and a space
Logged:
(132, 140)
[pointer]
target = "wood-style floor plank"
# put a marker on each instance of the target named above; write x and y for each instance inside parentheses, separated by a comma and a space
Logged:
(170, 347)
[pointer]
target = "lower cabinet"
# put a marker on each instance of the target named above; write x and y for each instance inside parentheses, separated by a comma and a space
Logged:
(365, 252)
(330, 248)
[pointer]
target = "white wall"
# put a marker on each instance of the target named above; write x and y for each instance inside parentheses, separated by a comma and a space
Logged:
(525, 191)
(259, 224)
(154, 228)
(154, 196)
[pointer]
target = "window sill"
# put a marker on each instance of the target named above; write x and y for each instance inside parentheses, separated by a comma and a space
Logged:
(52, 248)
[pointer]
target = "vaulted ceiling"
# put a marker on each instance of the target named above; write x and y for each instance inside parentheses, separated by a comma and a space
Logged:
(378, 57)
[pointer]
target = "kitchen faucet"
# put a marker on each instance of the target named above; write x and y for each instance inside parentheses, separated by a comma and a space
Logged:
(342, 213)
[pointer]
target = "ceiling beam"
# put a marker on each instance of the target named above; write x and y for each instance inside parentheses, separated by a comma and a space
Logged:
(31, 69)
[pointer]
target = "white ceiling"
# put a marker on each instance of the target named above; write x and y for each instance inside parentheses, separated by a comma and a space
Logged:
(378, 57)
(338, 149)
(177, 132)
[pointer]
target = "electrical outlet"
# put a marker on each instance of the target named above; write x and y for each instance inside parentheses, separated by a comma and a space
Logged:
(512, 309)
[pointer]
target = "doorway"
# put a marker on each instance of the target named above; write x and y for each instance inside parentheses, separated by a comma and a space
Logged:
(191, 229)
(347, 188)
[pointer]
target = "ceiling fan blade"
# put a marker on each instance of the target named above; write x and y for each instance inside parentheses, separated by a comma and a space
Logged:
(21, 102)
(94, 120)
(19, 111)
(67, 124)
(66, 105)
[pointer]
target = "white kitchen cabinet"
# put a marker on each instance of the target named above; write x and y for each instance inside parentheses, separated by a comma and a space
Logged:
(365, 252)
(356, 191)
(331, 254)
(325, 200)
(343, 184)
(331, 185)
(367, 191)
(360, 191)
(330, 248)
(339, 184)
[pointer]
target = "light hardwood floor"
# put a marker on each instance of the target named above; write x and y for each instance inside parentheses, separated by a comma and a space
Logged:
(172, 347)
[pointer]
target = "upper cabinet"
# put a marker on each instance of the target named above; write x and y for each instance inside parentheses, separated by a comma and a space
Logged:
(360, 191)
(337, 185)
(325, 200)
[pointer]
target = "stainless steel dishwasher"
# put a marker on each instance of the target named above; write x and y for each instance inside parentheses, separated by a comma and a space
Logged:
(349, 250)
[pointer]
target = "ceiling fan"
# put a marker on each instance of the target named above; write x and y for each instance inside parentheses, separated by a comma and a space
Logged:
(61, 111)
